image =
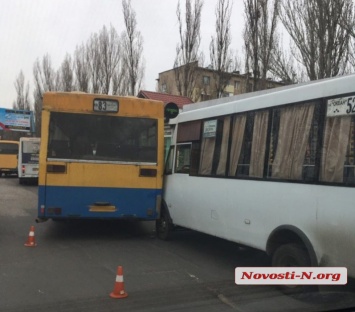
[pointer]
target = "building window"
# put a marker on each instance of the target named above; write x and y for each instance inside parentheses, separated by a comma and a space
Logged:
(206, 80)
(205, 97)
(270, 85)
(163, 88)
(227, 94)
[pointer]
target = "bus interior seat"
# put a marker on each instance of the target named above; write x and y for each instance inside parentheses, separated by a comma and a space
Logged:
(59, 148)
(81, 148)
(106, 149)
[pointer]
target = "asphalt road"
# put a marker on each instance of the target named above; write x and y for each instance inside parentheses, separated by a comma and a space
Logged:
(73, 267)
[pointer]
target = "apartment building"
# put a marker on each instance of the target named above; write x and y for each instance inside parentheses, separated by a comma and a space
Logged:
(205, 82)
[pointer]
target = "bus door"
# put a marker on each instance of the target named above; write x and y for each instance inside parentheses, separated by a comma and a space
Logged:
(176, 180)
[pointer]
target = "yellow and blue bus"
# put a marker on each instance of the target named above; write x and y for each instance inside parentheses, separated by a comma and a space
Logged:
(100, 157)
(8, 157)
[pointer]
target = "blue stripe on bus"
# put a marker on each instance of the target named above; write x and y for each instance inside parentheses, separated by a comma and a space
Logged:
(76, 201)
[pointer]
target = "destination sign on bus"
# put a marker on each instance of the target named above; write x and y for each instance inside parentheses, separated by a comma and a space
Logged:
(105, 106)
(210, 128)
(341, 106)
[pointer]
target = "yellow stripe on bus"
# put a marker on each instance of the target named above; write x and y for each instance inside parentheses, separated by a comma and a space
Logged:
(101, 175)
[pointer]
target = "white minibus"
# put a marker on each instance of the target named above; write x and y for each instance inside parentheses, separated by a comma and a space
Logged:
(28, 159)
(273, 170)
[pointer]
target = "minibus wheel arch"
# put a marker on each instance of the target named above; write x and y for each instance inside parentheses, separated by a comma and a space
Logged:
(289, 234)
(164, 207)
(164, 224)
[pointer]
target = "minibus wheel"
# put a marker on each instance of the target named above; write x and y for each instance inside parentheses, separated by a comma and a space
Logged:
(293, 255)
(163, 225)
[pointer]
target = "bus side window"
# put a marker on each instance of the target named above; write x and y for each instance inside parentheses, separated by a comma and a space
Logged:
(59, 148)
(81, 147)
(183, 158)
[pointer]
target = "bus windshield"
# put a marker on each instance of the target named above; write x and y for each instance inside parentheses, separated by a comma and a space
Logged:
(103, 138)
(30, 151)
(8, 157)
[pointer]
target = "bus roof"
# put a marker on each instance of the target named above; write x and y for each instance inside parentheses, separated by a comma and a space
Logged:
(8, 141)
(267, 98)
(29, 139)
(128, 106)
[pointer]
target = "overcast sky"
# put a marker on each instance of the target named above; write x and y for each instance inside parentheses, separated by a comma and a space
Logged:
(29, 29)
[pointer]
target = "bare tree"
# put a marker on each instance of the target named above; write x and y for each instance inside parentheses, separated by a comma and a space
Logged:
(110, 56)
(44, 80)
(268, 39)
(120, 80)
(252, 16)
(283, 66)
(260, 38)
(97, 62)
(22, 92)
(93, 59)
(66, 75)
(349, 24)
(352, 55)
(187, 51)
(81, 69)
(44, 75)
(220, 53)
(132, 41)
(320, 43)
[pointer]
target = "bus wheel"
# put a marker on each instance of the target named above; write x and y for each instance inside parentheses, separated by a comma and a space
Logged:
(293, 255)
(163, 226)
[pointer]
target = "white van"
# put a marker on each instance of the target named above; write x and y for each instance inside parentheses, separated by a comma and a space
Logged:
(28, 159)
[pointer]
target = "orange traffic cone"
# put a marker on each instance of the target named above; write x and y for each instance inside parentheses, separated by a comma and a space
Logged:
(118, 290)
(31, 238)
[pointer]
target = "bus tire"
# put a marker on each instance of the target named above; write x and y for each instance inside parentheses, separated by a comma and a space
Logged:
(163, 225)
(293, 255)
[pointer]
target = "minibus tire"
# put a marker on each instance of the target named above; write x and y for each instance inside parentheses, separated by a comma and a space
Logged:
(293, 255)
(163, 226)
